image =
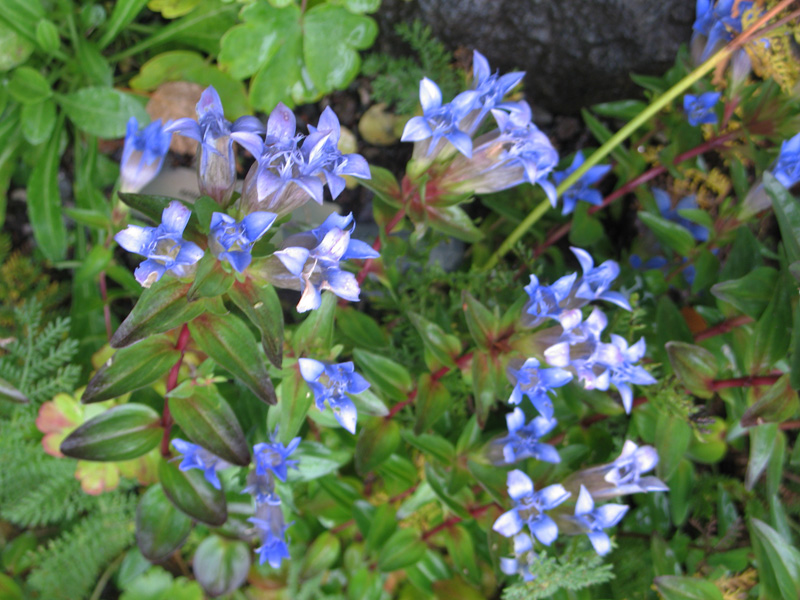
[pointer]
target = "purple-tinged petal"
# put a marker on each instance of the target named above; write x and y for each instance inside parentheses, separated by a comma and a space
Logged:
(134, 238)
(480, 66)
(175, 217)
(345, 412)
(609, 515)
(257, 223)
(281, 124)
(600, 542)
(519, 484)
(189, 254)
(344, 284)
(585, 504)
(310, 299)
(294, 259)
(148, 272)
(545, 529)
(416, 130)
(584, 258)
(249, 141)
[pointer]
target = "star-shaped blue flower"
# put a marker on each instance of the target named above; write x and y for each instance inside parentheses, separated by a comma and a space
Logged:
(197, 457)
(232, 241)
(664, 203)
(271, 529)
(273, 457)
(143, 154)
(545, 301)
(596, 281)
(624, 475)
(787, 167)
(522, 440)
(593, 520)
(164, 246)
(581, 189)
(700, 109)
(536, 384)
(331, 384)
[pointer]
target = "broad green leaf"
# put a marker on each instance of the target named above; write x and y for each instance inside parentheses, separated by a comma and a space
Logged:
(160, 527)
(482, 323)
(94, 67)
(382, 524)
(192, 494)
(209, 421)
(228, 341)
(295, 400)
(586, 229)
(9, 590)
(120, 433)
(390, 379)
(436, 480)
(794, 358)
(316, 460)
(14, 48)
(444, 347)
(787, 212)
(672, 439)
(124, 12)
(773, 331)
(673, 587)
(762, 440)
(777, 404)
(158, 584)
(432, 401)
(28, 86)
(403, 549)
(260, 304)
(453, 221)
(360, 329)
(160, 308)
(782, 559)
(749, 294)
(670, 234)
(95, 261)
(377, 440)
(694, 366)
(38, 121)
(624, 110)
(432, 445)
(484, 385)
(221, 565)
(102, 111)
(210, 279)
(321, 555)
(44, 202)
(680, 492)
(384, 184)
(461, 549)
(132, 368)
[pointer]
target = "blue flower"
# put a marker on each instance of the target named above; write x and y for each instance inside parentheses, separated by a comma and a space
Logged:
(331, 384)
(271, 529)
(625, 372)
(313, 257)
(596, 281)
(656, 262)
(490, 90)
(440, 121)
(529, 509)
(272, 457)
(524, 558)
(216, 167)
(593, 520)
(143, 154)
(197, 457)
(163, 246)
(232, 241)
(545, 302)
(664, 203)
(625, 474)
(522, 440)
(716, 25)
(700, 109)
(579, 348)
(787, 168)
(581, 189)
(536, 384)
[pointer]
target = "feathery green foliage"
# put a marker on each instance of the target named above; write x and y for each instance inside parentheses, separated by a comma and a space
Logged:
(571, 571)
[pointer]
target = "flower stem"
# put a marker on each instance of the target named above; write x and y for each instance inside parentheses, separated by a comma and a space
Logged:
(723, 327)
(172, 383)
(748, 381)
(474, 512)
(655, 107)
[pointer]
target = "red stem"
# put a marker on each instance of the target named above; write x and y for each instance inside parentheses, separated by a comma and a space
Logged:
(654, 172)
(172, 382)
(460, 362)
(106, 308)
(474, 512)
(749, 381)
(723, 327)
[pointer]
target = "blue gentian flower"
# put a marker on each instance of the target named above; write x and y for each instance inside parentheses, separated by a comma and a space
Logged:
(216, 167)
(536, 384)
(490, 90)
(716, 25)
(664, 203)
(625, 372)
(323, 156)
(529, 509)
(579, 348)
(232, 241)
(271, 529)
(197, 457)
(522, 440)
(624, 475)
(581, 189)
(595, 282)
(272, 457)
(700, 109)
(545, 302)
(593, 520)
(440, 121)
(331, 384)
(787, 168)
(164, 246)
(313, 257)
(524, 558)
(143, 154)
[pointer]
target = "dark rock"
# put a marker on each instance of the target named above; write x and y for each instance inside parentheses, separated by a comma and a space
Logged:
(576, 52)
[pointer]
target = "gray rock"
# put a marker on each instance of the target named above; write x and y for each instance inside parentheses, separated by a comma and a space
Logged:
(575, 52)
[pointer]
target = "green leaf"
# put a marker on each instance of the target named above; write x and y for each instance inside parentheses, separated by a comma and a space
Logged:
(453, 221)
(14, 48)
(482, 323)
(432, 401)
(672, 439)
(192, 494)
(160, 527)
(9, 590)
(160, 308)
(782, 559)
(210, 279)
(432, 445)
(321, 555)
(102, 111)
(95, 261)
(794, 358)
(694, 366)
(390, 379)
(260, 304)
(221, 565)
(787, 212)
(773, 331)
(316, 460)
(44, 202)
(28, 86)
(132, 368)
(360, 329)
(315, 333)
(586, 230)
(122, 15)
(670, 234)
(444, 347)
(680, 492)
(12, 394)
(362, 6)
(228, 341)
(762, 440)
(706, 271)
(777, 404)
(673, 587)
(209, 421)
(749, 294)
(295, 400)
(485, 372)
(38, 121)
(120, 433)
(172, 9)
(403, 549)
(436, 480)
(382, 523)
(377, 440)
(624, 110)
(383, 184)
(93, 65)
(461, 549)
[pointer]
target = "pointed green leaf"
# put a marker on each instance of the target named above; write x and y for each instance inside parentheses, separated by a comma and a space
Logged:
(762, 440)
(672, 587)
(132, 368)
(192, 494)
(403, 549)
(444, 347)
(673, 434)
(777, 404)
(316, 332)
(210, 279)
(261, 305)
(376, 442)
(432, 401)
(670, 234)
(228, 341)
(782, 559)
(694, 366)
(120, 433)
(160, 527)
(321, 555)
(44, 201)
(787, 212)
(391, 380)
(453, 221)
(433, 445)
(384, 185)
(749, 294)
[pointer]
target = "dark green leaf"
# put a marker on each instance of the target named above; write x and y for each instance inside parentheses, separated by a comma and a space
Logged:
(44, 202)
(453, 221)
(261, 305)
(694, 366)
(672, 439)
(120, 433)
(680, 492)
(777, 404)
(210, 279)
(377, 440)
(787, 212)
(316, 331)
(749, 294)
(443, 346)
(670, 234)
(102, 111)
(482, 323)
(221, 565)
(433, 445)
(321, 555)
(382, 524)
(403, 549)
(160, 527)
(192, 494)
(316, 460)
(432, 401)
(384, 185)
(390, 379)
(782, 559)
(672, 587)
(762, 439)
(122, 15)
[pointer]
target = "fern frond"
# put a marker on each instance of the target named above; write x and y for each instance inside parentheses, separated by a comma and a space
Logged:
(572, 571)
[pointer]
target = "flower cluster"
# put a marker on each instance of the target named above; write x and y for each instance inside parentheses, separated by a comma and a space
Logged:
(272, 461)
(331, 384)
